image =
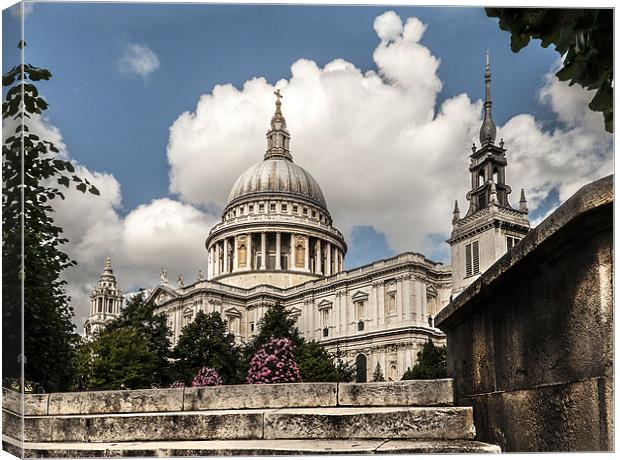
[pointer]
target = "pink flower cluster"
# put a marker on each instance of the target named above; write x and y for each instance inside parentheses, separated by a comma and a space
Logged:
(274, 362)
(207, 377)
(177, 384)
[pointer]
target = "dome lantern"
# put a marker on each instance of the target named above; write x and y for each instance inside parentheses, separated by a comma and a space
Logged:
(278, 137)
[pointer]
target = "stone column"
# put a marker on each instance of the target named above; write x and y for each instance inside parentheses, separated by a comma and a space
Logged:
(318, 258)
(225, 255)
(307, 255)
(328, 269)
(263, 251)
(292, 261)
(249, 259)
(217, 258)
(278, 252)
(235, 266)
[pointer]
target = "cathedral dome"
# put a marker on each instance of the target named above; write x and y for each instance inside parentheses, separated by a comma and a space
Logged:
(277, 175)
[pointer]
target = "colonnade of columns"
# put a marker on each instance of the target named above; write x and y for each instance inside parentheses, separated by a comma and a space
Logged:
(274, 251)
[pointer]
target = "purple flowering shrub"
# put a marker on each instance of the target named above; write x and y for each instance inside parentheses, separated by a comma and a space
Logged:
(177, 384)
(274, 362)
(207, 377)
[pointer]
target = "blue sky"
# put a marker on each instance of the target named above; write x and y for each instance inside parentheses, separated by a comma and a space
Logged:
(120, 124)
(200, 46)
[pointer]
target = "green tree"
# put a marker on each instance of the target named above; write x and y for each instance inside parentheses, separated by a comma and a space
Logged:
(121, 359)
(139, 315)
(315, 363)
(377, 375)
(584, 37)
(31, 171)
(432, 363)
(207, 342)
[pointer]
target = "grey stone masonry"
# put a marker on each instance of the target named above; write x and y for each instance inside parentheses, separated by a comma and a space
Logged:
(299, 418)
(530, 343)
(403, 393)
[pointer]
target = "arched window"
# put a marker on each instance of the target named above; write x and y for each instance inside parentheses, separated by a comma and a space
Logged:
(360, 369)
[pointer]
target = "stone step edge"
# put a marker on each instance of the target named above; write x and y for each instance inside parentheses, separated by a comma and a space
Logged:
(436, 392)
(246, 447)
(316, 410)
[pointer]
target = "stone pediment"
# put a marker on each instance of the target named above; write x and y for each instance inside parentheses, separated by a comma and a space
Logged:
(360, 295)
(160, 295)
(325, 304)
(232, 311)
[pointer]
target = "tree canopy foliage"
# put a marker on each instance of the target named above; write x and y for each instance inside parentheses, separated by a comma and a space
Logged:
(207, 342)
(584, 37)
(432, 363)
(139, 315)
(119, 359)
(32, 170)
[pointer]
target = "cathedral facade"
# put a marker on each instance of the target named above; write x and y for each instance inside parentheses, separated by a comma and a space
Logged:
(277, 244)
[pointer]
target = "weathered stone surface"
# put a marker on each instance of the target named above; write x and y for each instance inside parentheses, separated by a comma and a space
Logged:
(404, 393)
(33, 404)
(530, 344)
(253, 447)
(455, 446)
(102, 402)
(165, 426)
(572, 409)
(261, 396)
(371, 422)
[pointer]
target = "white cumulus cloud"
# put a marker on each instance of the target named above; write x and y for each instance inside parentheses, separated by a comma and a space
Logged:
(138, 61)
(383, 150)
(385, 153)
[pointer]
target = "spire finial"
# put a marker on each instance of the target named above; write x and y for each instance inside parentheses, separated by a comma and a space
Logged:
(278, 137)
(523, 202)
(488, 129)
(108, 263)
(456, 214)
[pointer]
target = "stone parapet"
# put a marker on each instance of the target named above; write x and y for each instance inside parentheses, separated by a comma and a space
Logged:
(279, 395)
(530, 342)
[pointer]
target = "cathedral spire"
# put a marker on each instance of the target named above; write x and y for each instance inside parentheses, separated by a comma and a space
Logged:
(488, 129)
(523, 202)
(278, 137)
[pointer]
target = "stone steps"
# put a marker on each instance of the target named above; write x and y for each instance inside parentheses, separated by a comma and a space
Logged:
(243, 447)
(305, 423)
(392, 417)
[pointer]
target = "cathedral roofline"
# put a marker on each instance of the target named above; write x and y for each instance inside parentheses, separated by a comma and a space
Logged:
(382, 267)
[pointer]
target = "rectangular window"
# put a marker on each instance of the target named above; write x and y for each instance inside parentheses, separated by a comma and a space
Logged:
(295, 208)
(511, 241)
(472, 259)
(251, 208)
(251, 327)
(261, 207)
(272, 207)
(283, 207)
(313, 213)
(305, 210)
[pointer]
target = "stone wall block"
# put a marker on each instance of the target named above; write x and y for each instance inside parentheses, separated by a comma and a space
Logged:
(403, 393)
(261, 396)
(173, 426)
(107, 402)
(33, 404)
(386, 423)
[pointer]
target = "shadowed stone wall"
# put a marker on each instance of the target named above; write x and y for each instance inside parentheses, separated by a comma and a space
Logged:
(530, 342)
